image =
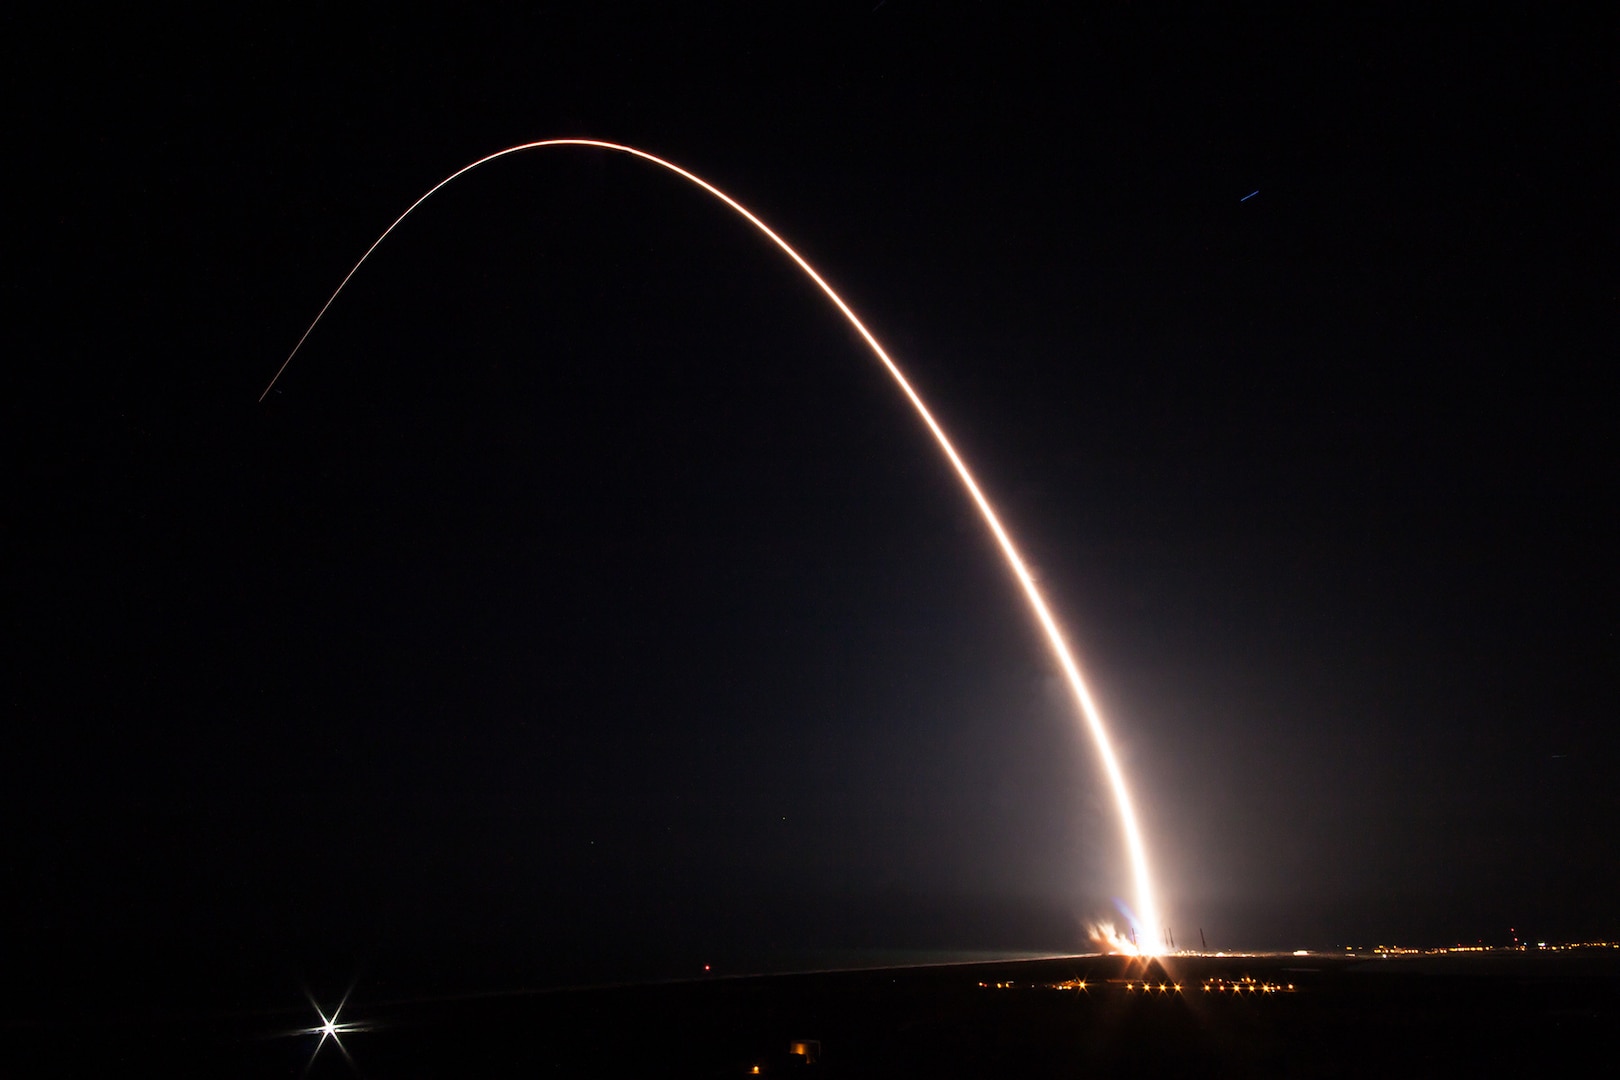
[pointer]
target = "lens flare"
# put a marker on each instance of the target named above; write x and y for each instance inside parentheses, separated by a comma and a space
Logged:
(1134, 844)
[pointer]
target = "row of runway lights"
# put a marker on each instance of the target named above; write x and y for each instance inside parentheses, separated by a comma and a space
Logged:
(1216, 986)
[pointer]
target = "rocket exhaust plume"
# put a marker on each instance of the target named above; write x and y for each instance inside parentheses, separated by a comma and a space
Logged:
(1145, 903)
(1107, 937)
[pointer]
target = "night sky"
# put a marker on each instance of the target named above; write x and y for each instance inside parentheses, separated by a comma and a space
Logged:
(587, 597)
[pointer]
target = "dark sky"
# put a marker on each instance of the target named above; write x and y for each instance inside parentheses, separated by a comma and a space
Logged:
(586, 588)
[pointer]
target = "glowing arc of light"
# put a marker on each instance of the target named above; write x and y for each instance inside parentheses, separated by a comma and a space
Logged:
(1088, 709)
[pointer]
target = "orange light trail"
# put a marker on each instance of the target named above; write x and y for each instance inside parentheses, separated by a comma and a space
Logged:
(1137, 850)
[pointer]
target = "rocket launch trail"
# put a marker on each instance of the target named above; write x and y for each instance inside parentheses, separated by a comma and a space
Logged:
(1146, 905)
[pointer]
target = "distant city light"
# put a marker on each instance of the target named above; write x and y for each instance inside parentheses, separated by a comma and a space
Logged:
(330, 1028)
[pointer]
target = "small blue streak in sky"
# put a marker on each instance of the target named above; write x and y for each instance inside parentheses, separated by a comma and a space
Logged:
(1250, 195)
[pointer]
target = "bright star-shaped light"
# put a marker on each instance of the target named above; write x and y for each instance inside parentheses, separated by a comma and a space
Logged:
(329, 1028)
